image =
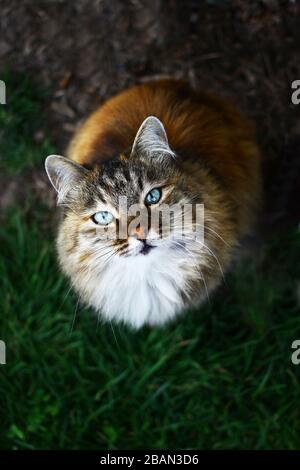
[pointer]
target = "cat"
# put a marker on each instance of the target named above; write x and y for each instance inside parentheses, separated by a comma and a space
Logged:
(156, 143)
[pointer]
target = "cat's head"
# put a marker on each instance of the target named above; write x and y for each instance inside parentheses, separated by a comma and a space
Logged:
(131, 205)
(135, 219)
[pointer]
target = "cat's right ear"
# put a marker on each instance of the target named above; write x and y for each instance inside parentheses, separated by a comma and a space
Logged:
(64, 174)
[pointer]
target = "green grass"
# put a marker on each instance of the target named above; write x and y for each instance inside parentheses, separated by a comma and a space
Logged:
(20, 118)
(221, 377)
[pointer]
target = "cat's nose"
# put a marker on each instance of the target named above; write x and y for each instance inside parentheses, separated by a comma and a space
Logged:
(138, 232)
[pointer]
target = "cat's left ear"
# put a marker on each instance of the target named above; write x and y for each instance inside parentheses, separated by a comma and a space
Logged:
(151, 140)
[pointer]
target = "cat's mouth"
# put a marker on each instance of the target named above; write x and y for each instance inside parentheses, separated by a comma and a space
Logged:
(146, 248)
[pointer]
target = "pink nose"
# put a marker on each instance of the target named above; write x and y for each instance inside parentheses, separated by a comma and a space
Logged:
(138, 232)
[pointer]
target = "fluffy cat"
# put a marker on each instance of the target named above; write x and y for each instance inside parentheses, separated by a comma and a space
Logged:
(155, 143)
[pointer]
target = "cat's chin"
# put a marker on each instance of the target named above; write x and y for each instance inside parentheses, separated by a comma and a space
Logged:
(140, 248)
(145, 250)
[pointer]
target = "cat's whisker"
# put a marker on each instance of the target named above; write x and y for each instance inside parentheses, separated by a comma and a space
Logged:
(217, 260)
(112, 327)
(214, 256)
(103, 255)
(106, 256)
(204, 227)
(65, 297)
(197, 267)
(75, 314)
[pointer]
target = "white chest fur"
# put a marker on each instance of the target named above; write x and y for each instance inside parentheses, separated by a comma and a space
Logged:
(140, 289)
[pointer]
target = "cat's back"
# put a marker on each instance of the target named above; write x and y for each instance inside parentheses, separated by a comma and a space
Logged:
(111, 129)
(194, 122)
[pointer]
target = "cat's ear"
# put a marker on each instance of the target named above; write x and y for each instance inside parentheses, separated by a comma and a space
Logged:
(64, 174)
(151, 140)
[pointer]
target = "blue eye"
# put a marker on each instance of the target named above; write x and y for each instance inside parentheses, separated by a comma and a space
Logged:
(103, 218)
(153, 196)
